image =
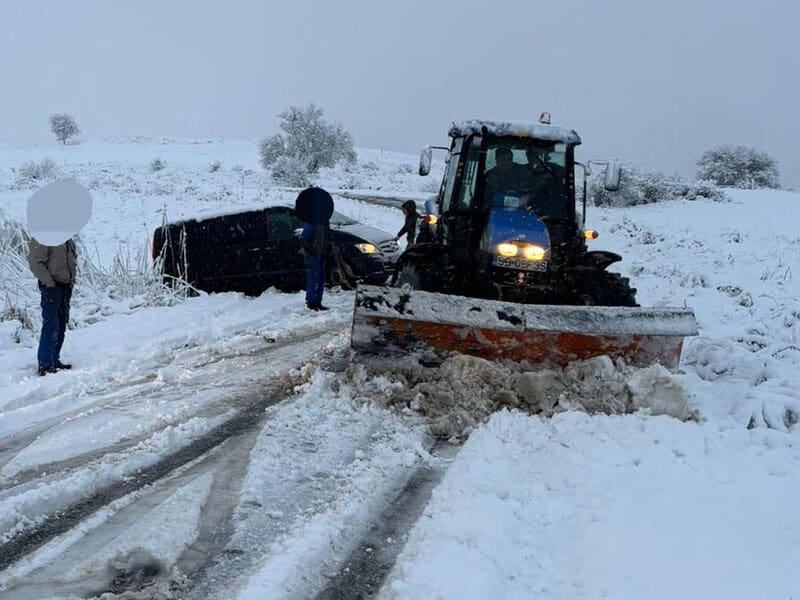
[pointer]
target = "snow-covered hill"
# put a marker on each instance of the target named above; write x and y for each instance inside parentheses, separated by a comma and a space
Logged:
(576, 506)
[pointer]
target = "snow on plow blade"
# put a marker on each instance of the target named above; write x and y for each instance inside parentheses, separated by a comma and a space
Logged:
(392, 321)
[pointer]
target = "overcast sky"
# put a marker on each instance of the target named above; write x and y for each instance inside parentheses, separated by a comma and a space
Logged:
(652, 82)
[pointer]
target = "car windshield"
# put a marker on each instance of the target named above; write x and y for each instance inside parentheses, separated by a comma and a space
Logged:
(340, 220)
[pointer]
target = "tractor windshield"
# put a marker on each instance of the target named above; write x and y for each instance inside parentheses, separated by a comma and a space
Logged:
(526, 176)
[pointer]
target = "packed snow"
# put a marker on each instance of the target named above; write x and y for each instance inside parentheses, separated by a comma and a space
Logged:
(593, 481)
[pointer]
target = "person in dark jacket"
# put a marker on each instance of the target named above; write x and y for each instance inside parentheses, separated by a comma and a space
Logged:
(54, 268)
(315, 207)
(409, 208)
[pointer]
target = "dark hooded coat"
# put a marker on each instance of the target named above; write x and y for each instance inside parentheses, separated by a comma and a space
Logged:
(410, 225)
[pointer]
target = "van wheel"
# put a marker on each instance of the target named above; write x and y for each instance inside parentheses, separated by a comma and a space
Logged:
(338, 277)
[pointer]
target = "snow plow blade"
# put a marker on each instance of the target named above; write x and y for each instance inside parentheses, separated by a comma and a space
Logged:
(390, 322)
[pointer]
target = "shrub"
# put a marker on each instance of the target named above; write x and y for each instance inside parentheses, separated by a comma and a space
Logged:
(738, 166)
(37, 171)
(63, 127)
(17, 295)
(292, 171)
(307, 144)
(643, 186)
(157, 165)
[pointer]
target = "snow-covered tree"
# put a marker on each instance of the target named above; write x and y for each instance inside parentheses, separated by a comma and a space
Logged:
(63, 127)
(291, 171)
(646, 186)
(738, 166)
(307, 144)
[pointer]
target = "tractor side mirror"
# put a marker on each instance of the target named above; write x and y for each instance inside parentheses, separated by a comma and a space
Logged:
(425, 161)
(612, 176)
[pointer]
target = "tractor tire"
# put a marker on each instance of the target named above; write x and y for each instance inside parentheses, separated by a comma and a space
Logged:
(418, 278)
(608, 289)
(409, 275)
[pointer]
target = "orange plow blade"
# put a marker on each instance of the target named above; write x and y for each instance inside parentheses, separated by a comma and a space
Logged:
(391, 321)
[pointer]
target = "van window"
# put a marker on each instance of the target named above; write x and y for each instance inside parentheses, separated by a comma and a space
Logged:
(281, 226)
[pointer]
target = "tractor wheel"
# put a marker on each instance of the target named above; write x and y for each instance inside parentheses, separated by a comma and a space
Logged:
(609, 289)
(418, 277)
(409, 275)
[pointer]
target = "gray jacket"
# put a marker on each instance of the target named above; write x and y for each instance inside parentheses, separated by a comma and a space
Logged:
(53, 264)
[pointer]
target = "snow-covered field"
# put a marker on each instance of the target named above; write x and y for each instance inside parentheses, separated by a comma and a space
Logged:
(573, 506)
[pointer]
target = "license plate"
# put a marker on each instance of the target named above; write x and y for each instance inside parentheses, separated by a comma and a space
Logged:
(520, 264)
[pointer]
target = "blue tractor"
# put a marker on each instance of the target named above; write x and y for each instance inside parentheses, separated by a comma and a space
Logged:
(507, 271)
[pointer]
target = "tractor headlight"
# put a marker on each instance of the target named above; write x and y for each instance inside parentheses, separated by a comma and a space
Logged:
(367, 248)
(507, 249)
(533, 252)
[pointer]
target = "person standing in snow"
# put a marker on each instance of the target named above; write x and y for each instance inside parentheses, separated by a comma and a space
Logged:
(409, 208)
(314, 206)
(54, 267)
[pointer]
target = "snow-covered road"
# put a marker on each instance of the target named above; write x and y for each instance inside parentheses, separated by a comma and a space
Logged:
(241, 457)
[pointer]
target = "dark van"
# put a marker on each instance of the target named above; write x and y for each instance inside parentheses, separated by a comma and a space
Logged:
(251, 251)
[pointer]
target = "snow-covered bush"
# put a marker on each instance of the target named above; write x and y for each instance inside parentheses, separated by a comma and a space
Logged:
(645, 186)
(214, 166)
(17, 299)
(63, 127)
(291, 170)
(131, 276)
(37, 171)
(157, 165)
(738, 166)
(307, 144)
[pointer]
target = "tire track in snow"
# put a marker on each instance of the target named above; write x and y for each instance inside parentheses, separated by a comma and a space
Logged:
(363, 572)
(19, 442)
(99, 391)
(65, 519)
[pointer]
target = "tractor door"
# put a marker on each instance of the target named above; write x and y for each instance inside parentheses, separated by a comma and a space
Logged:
(459, 205)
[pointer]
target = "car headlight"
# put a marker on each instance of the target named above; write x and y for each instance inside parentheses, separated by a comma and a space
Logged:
(367, 248)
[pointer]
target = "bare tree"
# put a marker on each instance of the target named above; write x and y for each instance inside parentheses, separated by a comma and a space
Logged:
(63, 127)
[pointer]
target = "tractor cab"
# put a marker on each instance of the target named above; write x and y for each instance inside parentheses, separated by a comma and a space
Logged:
(507, 205)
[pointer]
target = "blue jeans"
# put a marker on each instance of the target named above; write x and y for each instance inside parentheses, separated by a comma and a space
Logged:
(315, 280)
(55, 315)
